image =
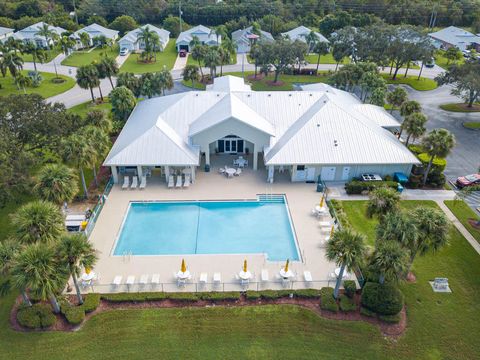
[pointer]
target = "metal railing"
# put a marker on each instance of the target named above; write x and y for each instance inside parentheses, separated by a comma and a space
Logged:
(98, 207)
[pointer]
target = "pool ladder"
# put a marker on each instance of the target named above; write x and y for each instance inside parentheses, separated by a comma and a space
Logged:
(127, 255)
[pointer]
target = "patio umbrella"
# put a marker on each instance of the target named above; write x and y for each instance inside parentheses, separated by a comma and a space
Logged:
(245, 265)
(322, 201)
(332, 231)
(286, 265)
(87, 270)
(183, 268)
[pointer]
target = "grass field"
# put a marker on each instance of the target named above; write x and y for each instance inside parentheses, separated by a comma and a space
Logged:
(443, 62)
(166, 58)
(51, 54)
(84, 108)
(460, 107)
(463, 212)
(473, 125)
(47, 88)
(325, 59)
(424, 84)
(80, 58)
(190, 61)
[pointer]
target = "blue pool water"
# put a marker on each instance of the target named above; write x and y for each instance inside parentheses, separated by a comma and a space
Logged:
(226, 227)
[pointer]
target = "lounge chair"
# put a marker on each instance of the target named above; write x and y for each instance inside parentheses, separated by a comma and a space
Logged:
(203, 278)
(143, 279)
(126, 182)
(238, 172)
(130, 280)
(186, 183)
(264, 275)
(171, 182)
(221, 170)
(155, 279)
(117, 280)
(179, 181)
(307, 275)
(217, 279)
(143, 183)
(324, 223)
(134, 183)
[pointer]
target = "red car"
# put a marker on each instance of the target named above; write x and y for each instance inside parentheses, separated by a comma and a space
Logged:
(469, 180)
(182, 53)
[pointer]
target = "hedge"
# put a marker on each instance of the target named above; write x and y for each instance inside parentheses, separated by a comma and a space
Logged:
(438, 164)
(391, 319)
(327, 301)
(416, 149)
(350, 288)
(75, 315)
(384, 299)
(91, 302)
(232, 295)
(347, 304)
(358, 187)
(37, 316)
(134, 297)
(367, 312)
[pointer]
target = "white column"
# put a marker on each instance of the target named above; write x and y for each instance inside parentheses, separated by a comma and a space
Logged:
(167, 173)
(207, 155)
(114, 174)
(271, 171)
(255, 157)
(139, 171)
(192, 172)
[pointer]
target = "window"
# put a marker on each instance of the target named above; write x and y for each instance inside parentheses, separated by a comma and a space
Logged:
(300, 167)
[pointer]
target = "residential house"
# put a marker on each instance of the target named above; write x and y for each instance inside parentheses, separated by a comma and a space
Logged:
(455, 37)
(5, 33)
(30, 33)
(300, 33)
(94, 31)
(203, 33)
(244, 38)
(131, 42)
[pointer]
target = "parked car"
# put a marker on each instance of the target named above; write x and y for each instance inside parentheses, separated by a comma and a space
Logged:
(468, 180)
(182, 53)
(430, 63)
(123, 51)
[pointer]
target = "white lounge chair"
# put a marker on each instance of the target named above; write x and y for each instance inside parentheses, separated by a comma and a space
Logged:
(307, 275)
(134, 183)
(143, 279)
(324, 223)
(217, 279)
(179, 181)
(130, 280)
(238, 172)
(143, 183)
(171, 182)
(203, 278)
(325, 229)
(186, 183)
(126, 182)
(221, 170)
(155, 279)
(117, 280)
(264, 275)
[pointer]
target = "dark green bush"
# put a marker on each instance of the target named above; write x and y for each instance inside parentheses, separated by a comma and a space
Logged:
(384, 299)
(75, 315)
(367, 312)
(391, 319)
(91, 302)
(347, 304)
(357, 187)
(253, 295)
(327, 301)
(307, 294)
(133, 297)
(350, 287)
(438, 164)
(232, 296)
(154, 296)
(180, 296)
(36, 316)
(64, 305)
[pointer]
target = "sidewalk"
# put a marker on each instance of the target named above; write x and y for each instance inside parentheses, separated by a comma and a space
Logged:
(338, 192)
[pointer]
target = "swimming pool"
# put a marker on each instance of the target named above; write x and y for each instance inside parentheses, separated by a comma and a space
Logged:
(208, 227)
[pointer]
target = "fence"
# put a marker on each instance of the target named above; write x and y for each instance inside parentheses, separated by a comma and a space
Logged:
(98, 207)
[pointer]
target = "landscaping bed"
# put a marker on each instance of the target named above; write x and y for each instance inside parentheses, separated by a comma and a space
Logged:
(460, 107)
(424, 84)
(51, 85)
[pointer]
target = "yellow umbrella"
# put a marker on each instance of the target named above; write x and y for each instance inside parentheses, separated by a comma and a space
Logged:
(286, 265)
(245, 265)
(183, 268)
(322, 201)
(87, 270)
(332, 231)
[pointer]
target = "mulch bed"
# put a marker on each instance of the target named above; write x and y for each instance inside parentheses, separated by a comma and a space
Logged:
(390, 330)
(257, 78)
(273, 83)
(475, 223)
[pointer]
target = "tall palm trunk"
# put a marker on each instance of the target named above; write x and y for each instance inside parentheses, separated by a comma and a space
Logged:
(111, 82)
(339, 281)
(84, 184)
(55, 305)
(420, 73)
(26, 299)
(408, 139)
(100, 89)
(77, 288)
(318, 61)
(400, 133)
(95, 179)
(406, 71)
(336, 67)
(425, 175)
(91, 93)
(34, 62)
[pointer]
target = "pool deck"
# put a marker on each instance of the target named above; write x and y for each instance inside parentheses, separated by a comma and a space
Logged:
(301, 198)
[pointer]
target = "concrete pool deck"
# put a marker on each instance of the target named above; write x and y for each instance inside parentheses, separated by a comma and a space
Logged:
(301, 198)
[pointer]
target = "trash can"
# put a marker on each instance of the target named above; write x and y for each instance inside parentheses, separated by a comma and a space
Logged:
(319, 187)
(207, 168)
(399, 188)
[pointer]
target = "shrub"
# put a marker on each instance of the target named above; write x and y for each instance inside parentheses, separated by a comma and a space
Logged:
(416, 149)
(347, 304)
(327, 301)
(438, 164)
(36, 316)
(232, 295)
(350, 288)
(253, 295)
(64, 305)
(75, 315)
(91, 302)
(391, 319)
(307, 294)
(133, 297)
(367, 312)
(358, 187)
(182, 296)
(384, 299)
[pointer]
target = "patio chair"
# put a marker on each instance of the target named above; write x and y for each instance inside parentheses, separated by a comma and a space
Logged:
(143, 183)
(221, 170)
(264, 275)
(307, 275)
(143, 279)
(171, 182)
(117, 280)
(155, 279)
(186, 183)
(126, 182)
(324, 223)
(134, 183)
(178, 184)
(203, 278)
(217, 279)
(238, 172)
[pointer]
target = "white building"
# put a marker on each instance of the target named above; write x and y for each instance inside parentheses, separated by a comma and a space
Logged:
(130, 40)
(300, 33)
(31, 34)
(5, 33)
(244, 38)
(319, 131)
(93, 31)
(203, 33)
(453, 36)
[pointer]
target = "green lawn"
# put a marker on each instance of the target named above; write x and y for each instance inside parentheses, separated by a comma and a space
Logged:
(443, 62)
(51, 54)
(84, 108)
(164, 58)
(463, 212)
(325, 59)
(423, 84)
(460, 107)
(47, 88)
(190, 61)
(474, 125)
(80, 58)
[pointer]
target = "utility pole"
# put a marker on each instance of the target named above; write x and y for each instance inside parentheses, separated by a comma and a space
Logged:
(180, 13)
(433, 16)
(75, 12)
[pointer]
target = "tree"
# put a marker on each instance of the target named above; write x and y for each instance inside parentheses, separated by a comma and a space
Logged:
(56, 183)
(99, 143)
(164, 80)
(191, 73)
(172, 24)
(108, 67)
(370, 81)
(150, 40)
(311, 39)
(85, 39)
(347, 249)
(378, 97)
(389, 260)
(414, 126)
(12, 62)
(438, 142)
(279, 54)
(397, 97)
(37, 222)
(37, 268)
(37, 53)
(123, 102)
(46, 33)
(66, 44)
(149, 87)
(212, 60)
(130, 81)
(453, 54)
(465, 80)
(409, 107)
(22, 82)
(98, 118)
(8, 251)
(75, 251)
(88, 78)
(343, 45)
(198, 53)
(381, 201)
(124, 24)
(220, 31)
(397, 226)
(320, 48)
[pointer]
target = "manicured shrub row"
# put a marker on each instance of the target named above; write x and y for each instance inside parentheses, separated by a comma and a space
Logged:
(358, 187)
(134, 297)
(180, 296)
(91, 302)
(367, 312)
(75, 315)
(347, 304)
(232, 296)
(391, 319)
(384, 299)
(327, 301)
(350, 288)
(37, 316)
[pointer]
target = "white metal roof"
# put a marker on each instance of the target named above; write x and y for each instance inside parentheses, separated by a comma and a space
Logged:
(30, 32)
(132, 36)
(203, 33)
(4, 30)
(241, 35)
(300, 33)
(455, 36)
(323, 126)
(96, 30)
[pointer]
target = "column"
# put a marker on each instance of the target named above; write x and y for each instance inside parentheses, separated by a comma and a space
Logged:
(271, 171)
(114, 174)
(167, 173)
(139, 171)
(192, 172)
(255, 157)
(207, 155)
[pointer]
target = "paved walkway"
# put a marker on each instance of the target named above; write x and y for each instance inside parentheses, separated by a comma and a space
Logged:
(121, 59)
(338, 192)
(180, 63)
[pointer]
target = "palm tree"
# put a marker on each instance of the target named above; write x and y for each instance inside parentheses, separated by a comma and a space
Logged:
(75, 252)
(389, 260)
(220, 31)
(57, 183)
(438, 142)
(84, 39)
(347, 250)
(99, 142)
(194, 43)
(156, 44)
(87, 78)
(320, 48)
(414, 126)
(109, 67)
(198, 53)
(382, 201)
(149, 86)
(397, 97)
(13, 62)
(123, 102)
(37, 53)
(146, 36)
(77, 151)
(224, 58)
(312, 39)
(130, 81)
(66, 44)
(8, 250)
(46, 33)
(408, 108)
(98, 118)
(37, 268)
(164, 80)
(191, 73)
(397, 226)
(14, 45)
(212, 59)
(230, 47)
(22, 81)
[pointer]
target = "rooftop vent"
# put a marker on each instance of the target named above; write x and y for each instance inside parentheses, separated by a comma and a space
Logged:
(335, 142)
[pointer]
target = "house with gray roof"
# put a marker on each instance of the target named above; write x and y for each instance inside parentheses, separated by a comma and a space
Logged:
(94, 31)
(244, 38)
(300, 33)
(455, 37)
(30, 34)
(5, 33)
(131, 42)
(203, 33)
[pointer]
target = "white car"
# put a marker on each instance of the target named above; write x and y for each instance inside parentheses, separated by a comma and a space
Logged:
(123, 52)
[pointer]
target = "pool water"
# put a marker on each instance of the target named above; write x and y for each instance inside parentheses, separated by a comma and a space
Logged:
(208, 227)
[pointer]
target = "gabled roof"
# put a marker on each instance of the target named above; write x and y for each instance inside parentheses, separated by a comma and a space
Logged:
(132, 36)
(299, 33)
(202, 32)
(241, 35)
(230, 107)
(455, 36)
(35, 27)
(4, 30)
(94, 29)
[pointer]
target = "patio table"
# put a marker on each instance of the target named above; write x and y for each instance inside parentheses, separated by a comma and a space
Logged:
(183, 275)
(286, 274)
(230, 172)
(245, 275)
(88, 277)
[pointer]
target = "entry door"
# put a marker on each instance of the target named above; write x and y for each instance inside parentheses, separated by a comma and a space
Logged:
(230, 146)
(310, 174)
(346, 173)
(328, 173)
